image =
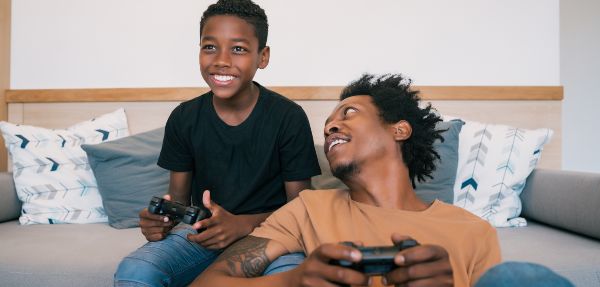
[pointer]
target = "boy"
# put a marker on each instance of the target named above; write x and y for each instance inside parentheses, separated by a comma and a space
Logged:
(240, 150)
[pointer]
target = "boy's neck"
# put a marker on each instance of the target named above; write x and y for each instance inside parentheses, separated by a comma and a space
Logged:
(235, 110)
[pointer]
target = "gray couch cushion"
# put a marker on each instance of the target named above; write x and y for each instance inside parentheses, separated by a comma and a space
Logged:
(10, 206)
(63, 254)
(571, 255)
(128, 176)
(564, 199)
(441, 186)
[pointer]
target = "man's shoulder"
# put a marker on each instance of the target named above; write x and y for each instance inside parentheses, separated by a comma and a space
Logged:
(322, 196)
(459, 215)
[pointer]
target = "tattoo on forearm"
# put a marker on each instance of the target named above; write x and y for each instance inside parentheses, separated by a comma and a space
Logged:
(246, 257)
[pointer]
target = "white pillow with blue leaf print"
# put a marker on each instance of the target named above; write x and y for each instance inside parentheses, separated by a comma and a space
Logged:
(494, 162)
(52, 174)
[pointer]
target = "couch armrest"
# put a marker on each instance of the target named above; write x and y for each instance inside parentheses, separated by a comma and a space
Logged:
(10, 206)
(564, 199)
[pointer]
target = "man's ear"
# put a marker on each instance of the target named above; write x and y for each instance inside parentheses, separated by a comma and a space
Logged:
(402, 130)
(265, 54)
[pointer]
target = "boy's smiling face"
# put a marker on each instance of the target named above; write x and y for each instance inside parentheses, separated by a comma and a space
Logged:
(229, 56)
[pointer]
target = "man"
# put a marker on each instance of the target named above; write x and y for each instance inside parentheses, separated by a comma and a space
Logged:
(378, 141)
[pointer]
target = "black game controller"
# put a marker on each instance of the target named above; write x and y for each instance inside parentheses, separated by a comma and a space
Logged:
(177, 211)
(375, 260)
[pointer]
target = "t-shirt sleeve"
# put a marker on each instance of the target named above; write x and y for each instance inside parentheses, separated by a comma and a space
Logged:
(284, 226)
(488, 256)
(297, 149)
(175, 154)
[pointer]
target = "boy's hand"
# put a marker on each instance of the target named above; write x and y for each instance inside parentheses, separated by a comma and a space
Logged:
(317, 271)
(423, 265)
(221, 229)
(155, 227)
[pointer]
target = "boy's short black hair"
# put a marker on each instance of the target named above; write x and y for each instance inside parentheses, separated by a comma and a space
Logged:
(395, 101)
(245, 9)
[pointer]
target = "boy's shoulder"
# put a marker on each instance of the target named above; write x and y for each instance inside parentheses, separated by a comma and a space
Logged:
(275, 98)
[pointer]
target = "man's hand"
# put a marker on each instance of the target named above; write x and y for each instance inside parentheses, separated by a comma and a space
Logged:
(221, 229)
(423, 265)
(316, 270)
(155, 227)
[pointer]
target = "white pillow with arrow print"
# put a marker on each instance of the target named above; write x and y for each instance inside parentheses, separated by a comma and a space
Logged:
(494, 162)
(52, 175)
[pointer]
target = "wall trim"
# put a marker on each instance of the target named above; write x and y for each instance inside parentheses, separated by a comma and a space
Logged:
(512, 93)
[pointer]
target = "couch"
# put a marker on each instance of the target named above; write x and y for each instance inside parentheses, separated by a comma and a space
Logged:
(562, 233)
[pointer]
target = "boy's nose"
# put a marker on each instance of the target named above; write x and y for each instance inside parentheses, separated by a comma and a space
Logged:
(223, 59)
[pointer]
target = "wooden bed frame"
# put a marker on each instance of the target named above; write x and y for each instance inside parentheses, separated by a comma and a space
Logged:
(147, 108)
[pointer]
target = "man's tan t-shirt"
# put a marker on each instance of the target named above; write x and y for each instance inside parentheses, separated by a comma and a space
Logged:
(331, 216)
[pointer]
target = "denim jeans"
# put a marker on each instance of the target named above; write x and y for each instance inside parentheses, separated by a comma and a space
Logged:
(521, 274)
(175, 261)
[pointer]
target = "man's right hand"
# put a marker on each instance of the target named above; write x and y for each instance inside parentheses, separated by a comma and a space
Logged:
(317, 271)
(155, 227)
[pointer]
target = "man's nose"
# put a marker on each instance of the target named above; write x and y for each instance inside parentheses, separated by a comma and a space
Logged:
(331, 127)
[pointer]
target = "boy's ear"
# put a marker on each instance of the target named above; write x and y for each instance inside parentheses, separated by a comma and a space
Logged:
(264, 57)
(402, 130)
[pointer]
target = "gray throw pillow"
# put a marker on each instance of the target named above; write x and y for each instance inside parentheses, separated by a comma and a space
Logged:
(441, 186)
(127, 175)
(10, 205)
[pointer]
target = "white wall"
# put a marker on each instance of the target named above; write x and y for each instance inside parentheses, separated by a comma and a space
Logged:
(148, 43)
(579, 73)
(153, 43)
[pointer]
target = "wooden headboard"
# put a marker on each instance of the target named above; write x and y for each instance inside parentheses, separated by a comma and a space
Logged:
(147, 108)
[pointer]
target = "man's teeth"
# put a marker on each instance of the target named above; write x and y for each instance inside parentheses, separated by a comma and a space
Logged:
(336, 142)
(223, 78)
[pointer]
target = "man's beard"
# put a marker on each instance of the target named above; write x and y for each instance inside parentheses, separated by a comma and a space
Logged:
(345, 171)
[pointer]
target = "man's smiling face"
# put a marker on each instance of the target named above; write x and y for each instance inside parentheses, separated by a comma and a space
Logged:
(355, 134)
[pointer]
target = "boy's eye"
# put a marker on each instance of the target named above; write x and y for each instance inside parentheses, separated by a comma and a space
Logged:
(238, 49)
(209, 47)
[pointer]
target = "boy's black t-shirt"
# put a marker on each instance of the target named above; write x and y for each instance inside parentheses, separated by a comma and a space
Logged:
(243, 166)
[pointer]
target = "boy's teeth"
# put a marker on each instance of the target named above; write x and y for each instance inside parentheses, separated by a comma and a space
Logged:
(223, 78)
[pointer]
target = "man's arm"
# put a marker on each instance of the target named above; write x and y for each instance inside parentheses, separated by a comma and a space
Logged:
(243, 260)
(243, 263)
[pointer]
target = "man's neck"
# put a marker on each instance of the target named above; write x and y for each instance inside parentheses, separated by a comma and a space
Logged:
(387, 185)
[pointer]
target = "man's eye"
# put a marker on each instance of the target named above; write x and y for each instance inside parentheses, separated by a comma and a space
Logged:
(349, 111)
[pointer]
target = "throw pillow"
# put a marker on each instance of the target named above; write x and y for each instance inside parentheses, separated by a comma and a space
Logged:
(128, 176)
(494, 162)
(439, 187)
(51, 172)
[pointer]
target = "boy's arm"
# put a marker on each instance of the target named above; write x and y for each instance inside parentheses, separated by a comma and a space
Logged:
(180, 186)
(155, 227)
(293, 188)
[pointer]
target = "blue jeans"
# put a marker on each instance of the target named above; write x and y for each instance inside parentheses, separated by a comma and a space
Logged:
(175, 261)
(521, 274)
